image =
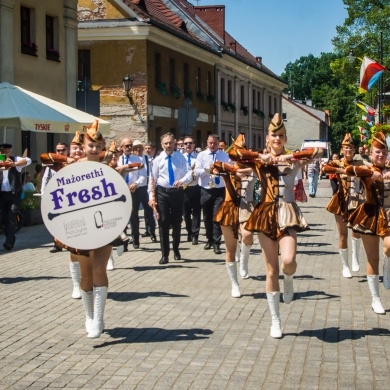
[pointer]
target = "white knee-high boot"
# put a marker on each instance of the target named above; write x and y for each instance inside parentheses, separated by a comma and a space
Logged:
(238, 252)
(110, 264)
(99, 302)
(344, 261)
(386, 272)
(244, 259)
(288, 285)
(273, 303)
(232, 272)
(74, 268)
(355, 254)
(373, 284)
(87, 297)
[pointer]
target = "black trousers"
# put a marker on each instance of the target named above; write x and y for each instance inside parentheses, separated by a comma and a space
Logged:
(140, 196)
(210, 200)
(9, 208)
(170, 207)
(192, 210)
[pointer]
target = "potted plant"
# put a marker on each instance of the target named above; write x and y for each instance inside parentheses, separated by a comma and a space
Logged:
(30, 48)
(225, 106)
(232, 107)
(162, 88)
(52, 54)
(188, 94)
(200, 96)
(175, 91)
(244, 110)
(259, 113)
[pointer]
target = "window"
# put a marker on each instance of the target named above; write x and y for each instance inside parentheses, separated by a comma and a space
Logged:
(269, 105)
(208, 84)
(186, 74)
(275, 105)
(284, 117)
(230, 92)
(198, 80)
(172, 72)
(27, 31)
(84, 70)
(258, 100)
(253, 99)
(157, 69)
(242, 96)
(52, 52)
(223, 92)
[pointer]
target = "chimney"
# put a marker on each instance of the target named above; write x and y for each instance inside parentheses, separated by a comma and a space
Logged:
(214, 16)
(259, 60)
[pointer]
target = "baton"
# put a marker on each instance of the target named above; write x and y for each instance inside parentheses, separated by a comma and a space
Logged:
(51, 216)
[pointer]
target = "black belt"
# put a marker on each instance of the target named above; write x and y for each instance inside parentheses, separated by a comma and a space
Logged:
(170, 189)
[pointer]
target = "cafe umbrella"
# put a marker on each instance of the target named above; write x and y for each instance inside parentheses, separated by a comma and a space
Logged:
(26, 110)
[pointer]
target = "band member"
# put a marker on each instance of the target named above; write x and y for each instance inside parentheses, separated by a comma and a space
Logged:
(169, 173)
(212, 190)
(10, 191)
(343, 202)
(76, 152)
(277, 218)
(150, 223)
(61, 149)
(137, 183)
(371, 218)
(228, 216)
(192, 207)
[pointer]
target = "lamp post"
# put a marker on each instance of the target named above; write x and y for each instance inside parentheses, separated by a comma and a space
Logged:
(127, 84)
(351, 59)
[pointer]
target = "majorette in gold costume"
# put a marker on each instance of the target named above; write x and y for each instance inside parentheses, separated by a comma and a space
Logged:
(277, 217)
(372, 217)
(344, 202)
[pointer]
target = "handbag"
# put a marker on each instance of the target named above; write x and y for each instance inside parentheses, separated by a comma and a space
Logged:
(299, 192)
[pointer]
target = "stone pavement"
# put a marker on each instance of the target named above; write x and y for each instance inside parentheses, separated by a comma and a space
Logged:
(176, 326)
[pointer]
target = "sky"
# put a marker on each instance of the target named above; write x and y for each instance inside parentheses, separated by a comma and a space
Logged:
(282, 31)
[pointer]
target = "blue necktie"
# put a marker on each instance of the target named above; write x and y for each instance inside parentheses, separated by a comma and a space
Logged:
(216, 179)
(127, 176)
(170, 171)
(189, 160)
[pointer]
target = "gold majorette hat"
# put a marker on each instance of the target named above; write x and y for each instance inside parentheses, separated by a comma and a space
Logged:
(379, 140)
(276, 123)
(348, 140)
(112, 148)
(77, 139)
(93, 131)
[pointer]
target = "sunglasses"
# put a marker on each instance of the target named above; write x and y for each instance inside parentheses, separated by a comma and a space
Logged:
(61, 150)
(188, 143)
(128, 146)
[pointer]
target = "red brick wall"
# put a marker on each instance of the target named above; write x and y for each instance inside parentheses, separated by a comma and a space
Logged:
(214, 16)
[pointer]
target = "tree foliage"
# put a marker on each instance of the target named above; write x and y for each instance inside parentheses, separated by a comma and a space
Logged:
(330, 80)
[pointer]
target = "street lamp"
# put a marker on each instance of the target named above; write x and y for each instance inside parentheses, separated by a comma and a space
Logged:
(127, 84)
(351, 59)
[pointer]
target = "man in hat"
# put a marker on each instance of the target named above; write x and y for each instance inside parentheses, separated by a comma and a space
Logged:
(11, 190)
(62, 149)
(137, 183)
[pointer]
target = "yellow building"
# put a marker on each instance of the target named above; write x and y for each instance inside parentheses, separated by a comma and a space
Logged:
(38, 52)
(183, 65)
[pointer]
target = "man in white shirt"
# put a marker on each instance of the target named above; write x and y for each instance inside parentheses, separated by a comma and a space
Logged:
(192, 207)
(137, 183)
(212, 192)
(10, 192)
(169, 173)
